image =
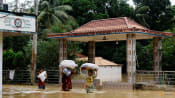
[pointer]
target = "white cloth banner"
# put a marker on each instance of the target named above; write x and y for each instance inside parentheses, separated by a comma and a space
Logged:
(11, 74)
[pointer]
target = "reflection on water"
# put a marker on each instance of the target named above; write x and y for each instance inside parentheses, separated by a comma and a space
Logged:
(21, 91)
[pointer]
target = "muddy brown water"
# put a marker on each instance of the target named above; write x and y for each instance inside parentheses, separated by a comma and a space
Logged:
(52, 91)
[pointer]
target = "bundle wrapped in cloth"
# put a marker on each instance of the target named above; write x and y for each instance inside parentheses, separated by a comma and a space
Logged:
(89, 66)
(66, 71)
(42, 76)
(68, 64)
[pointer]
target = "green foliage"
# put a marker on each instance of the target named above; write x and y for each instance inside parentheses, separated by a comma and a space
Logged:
(12, 60)
(52, 13)
(16, 42)
(48, 53)
(19, 60)
(154, 14)
(8, 57)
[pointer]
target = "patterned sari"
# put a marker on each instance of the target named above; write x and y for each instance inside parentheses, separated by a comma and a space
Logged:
(66, 82)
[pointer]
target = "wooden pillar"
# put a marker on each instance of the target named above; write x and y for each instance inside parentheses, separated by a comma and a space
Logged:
(62, 54)
(34, 56)
(91, 52)
(34, 47)
(1, 60)
(131, 58)
(157, 58)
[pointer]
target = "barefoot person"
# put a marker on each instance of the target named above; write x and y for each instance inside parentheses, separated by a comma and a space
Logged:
(89, 86)
(41, 79)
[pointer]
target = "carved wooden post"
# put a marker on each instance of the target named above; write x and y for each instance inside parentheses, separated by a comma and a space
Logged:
(157, 58)
(62, 54)
(91, 52)
(131, 58)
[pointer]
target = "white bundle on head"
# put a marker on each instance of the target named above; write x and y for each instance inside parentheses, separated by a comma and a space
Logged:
(66, 71)
(90, 66)
(68, 63)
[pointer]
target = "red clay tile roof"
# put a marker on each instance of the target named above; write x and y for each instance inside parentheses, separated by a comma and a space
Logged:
(111, 25)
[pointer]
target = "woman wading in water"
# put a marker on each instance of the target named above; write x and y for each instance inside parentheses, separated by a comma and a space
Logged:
(89, 86)
(66, 79)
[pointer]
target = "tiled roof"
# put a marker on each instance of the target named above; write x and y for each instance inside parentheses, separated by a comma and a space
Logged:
(108, 25)
(111, 25)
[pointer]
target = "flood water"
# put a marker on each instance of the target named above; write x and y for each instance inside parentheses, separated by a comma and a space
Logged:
(52, 91)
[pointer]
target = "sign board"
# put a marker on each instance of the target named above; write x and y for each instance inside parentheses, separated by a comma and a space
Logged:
(13, 22)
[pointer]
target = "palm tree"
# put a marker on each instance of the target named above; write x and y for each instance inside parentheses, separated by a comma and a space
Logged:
(51, 13)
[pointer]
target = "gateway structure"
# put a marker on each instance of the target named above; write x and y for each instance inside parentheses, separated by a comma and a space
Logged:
(115, 29)
(14, 24)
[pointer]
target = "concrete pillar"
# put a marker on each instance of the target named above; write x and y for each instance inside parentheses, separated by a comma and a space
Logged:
(157, 57)
(91, 52)
(62, 54)
(131, 58)
(1, 60)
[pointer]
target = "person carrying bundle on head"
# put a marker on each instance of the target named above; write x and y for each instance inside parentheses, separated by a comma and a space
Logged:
(67, 69)
(89, 85)
(66, 79)
(92, 74)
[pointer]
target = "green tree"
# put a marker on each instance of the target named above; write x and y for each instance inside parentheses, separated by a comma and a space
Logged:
(154, 14)
(8, 57)
(52, 13)
(20, 60)
(14, 60)
(16, 42)
(48, 52)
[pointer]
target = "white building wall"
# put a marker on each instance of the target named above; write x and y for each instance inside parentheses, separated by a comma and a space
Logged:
(110, 73)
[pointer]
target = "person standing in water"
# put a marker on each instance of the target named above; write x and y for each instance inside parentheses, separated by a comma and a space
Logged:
(66, 79)
(89, 81)
(41, 79)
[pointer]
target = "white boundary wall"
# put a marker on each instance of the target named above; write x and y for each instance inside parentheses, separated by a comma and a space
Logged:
(110, 73)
